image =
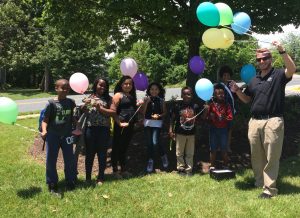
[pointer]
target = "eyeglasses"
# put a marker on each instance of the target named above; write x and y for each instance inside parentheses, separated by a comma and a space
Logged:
(264, 59)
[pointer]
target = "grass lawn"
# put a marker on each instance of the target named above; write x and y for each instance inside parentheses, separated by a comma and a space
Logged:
(23, 191)
(20, 94)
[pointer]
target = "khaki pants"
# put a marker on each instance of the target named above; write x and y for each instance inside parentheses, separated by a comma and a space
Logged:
(185, 145)
(266, 139)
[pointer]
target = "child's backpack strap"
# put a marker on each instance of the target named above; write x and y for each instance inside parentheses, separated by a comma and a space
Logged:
(52, 108)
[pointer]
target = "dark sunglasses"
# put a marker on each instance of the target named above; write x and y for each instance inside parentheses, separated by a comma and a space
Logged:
(264, 59)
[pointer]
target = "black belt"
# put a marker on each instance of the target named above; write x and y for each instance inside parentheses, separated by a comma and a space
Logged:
(264, 117)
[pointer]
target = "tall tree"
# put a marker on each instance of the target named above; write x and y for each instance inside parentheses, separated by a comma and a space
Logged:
(162, 21)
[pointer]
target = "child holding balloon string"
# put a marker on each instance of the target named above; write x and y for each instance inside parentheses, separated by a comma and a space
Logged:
(225, 73)
(219, 114)
(154, 110)
(97, 133)
(124, 104)
(183, 116)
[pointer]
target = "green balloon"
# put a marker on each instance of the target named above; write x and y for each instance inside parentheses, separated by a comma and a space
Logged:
(226, 15)
(8, 110)
(208, 14)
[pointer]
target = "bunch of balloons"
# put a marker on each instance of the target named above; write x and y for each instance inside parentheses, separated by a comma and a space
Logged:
(129, 67)
(220, 14)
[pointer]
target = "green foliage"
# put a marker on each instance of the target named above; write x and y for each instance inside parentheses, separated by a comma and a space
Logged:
(292, 45)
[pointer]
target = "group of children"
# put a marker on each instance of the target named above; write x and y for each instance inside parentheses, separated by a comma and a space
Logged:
(123, 107)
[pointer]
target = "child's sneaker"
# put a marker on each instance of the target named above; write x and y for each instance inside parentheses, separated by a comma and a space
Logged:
(70, 186)
(53, 190)
(211, 168)
(165, 161)
(150, 166)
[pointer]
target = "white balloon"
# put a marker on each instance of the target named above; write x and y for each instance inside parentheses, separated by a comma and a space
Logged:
(128, 67)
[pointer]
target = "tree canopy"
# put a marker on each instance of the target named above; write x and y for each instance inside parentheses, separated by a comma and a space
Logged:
(39, 38)
(125, 22)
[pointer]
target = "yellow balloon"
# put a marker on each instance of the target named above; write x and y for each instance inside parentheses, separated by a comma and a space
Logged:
(213, 38)
(228, 38)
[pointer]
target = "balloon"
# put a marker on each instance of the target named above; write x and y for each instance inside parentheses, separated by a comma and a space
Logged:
(248, 71)
(241, 23)
(213, 38)
(208, 14)
(204, 89)
(197, 64)
(79, 82)
(8, 110)
(140, 81)
(226, 16)
(228, 38)
(128, 67)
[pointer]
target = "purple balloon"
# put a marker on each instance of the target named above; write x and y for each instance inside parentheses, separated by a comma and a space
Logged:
(140, 81)
(197, 64)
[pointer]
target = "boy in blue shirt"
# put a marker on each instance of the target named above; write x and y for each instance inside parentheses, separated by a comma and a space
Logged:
(57, 131)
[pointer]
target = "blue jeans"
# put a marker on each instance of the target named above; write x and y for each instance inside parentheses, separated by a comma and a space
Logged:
(54, 142)
(152, 135)
(97, 140)
(218, 137)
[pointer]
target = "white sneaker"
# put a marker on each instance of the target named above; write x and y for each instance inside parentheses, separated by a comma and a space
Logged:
(150, 166)
(165, 161)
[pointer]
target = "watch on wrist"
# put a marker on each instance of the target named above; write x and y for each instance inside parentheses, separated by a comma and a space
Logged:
(282, 52)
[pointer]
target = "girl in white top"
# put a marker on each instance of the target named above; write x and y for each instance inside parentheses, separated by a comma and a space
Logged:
(154, 110)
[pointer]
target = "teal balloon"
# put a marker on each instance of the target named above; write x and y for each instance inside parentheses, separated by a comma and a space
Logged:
(8, 110)
(208, 14)
(204, 89)
(248, 71)
(241, 23)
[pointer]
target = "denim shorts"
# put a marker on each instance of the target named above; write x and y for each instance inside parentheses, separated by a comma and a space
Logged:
(218, 138)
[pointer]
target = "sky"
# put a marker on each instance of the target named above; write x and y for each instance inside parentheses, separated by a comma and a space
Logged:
(276, 36)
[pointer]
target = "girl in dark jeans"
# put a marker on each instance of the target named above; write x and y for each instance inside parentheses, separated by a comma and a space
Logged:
(124, 105)
(154, 111)
(97, 133)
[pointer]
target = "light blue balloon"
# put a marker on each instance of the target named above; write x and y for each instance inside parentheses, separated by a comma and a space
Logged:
(241, 23)
(248, 71)
(204, 89)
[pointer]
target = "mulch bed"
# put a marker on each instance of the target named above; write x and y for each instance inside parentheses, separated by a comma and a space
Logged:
(137, 153)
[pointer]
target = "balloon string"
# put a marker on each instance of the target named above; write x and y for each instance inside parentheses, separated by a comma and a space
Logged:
(248, 34)
(28, 128)
(132, 117)
(192, 118)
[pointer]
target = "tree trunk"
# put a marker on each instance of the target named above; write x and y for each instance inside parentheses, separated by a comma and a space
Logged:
(2, 78)
(46, 78)
(194, 45)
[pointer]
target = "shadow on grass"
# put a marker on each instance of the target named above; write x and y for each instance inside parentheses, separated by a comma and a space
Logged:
(287, 188)
(246, 185)
(289, 168)
(29, 192)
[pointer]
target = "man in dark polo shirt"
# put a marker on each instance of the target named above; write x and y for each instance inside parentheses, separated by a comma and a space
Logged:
(266, 91)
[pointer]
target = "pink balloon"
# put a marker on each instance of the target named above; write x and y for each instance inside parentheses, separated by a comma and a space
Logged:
(128, 67)
(79, 82)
